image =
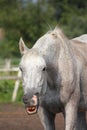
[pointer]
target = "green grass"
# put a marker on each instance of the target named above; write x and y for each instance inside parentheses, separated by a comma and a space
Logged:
(6, 91)
(7, 86)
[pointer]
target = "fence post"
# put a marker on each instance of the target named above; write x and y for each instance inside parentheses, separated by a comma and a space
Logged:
(17, 83)
(7, 64)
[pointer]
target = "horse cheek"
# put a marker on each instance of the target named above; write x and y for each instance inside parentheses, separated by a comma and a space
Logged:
(44, 88)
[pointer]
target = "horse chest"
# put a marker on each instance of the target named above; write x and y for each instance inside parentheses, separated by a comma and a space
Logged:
(51, 102)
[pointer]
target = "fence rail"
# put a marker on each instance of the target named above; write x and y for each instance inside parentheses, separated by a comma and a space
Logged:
(9, 78)
(7, 68)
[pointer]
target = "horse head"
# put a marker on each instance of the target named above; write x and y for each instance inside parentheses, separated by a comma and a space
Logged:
(34, 75)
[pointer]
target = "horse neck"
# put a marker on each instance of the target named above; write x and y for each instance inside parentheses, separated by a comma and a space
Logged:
(51, 51)
(47, 52)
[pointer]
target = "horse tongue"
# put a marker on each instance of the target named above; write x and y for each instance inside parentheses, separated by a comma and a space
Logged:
(33, 109)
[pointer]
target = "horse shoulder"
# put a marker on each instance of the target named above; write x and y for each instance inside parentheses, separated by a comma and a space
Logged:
(80, 52)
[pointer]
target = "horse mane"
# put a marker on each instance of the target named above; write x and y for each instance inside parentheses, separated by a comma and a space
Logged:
(61, 35)
(58, 33)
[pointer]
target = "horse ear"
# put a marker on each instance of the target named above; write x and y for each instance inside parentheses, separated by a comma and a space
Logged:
(23, 48)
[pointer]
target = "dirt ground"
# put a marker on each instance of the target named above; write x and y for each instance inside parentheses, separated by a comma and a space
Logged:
(14, 117)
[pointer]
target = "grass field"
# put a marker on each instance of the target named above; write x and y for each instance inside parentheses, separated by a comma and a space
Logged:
(7, 86)
(6, 90)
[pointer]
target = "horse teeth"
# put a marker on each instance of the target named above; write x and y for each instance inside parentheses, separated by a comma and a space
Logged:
(32, 108)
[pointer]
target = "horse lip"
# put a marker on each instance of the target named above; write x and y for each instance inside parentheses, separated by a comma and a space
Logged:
(32, 109)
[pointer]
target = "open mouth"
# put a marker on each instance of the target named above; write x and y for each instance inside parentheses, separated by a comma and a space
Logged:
(34, 108)
(31, 109)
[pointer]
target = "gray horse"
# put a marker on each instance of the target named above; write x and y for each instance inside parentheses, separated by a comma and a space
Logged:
(54, 75)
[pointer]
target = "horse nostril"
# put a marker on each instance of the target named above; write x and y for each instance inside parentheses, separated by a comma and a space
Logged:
(36, 94)
(25, 99)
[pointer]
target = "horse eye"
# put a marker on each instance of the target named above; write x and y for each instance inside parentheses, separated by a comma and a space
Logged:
(44, 69)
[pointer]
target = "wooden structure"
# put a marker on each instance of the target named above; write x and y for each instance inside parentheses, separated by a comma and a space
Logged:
(7, 68)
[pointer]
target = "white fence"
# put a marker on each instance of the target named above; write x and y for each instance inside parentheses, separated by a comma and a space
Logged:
(7, 68)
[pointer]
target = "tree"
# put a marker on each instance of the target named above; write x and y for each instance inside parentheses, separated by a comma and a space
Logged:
(28, 21)
(71, 16)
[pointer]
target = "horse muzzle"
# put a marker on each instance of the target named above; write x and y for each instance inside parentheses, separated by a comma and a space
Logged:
(31, 105)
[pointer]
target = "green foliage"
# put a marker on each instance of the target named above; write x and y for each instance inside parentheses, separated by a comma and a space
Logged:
(74, 20)
(30, 20)
(20, 94)
(7, 86)
(6, 90)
